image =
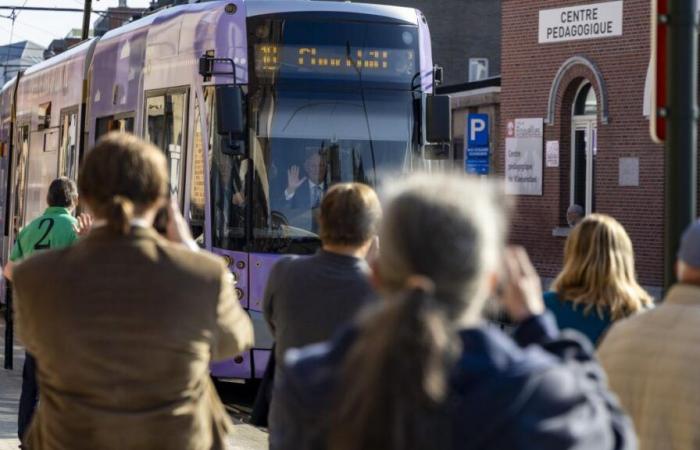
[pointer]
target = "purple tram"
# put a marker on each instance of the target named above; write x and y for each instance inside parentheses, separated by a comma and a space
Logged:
(253, 103)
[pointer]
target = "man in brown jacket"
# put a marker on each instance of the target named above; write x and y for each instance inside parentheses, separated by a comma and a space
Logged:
(653, 359)
(124, 323)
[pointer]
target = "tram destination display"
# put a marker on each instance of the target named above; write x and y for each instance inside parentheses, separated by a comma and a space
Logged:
(302, 61)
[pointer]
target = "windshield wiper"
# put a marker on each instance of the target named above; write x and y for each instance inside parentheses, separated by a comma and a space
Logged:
(364, 108)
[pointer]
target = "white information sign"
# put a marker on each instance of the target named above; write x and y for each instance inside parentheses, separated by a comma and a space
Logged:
(552, 154)
(593, 21)
(524, 158)
(629, 172)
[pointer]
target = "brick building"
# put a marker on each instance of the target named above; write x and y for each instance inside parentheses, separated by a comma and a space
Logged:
(117, 17)
(581, 67)
(466, 34)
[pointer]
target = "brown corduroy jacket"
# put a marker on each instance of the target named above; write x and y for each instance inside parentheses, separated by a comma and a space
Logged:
(653, 364)
(123, 329)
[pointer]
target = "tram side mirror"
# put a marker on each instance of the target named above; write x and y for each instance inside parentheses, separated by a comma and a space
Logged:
(438, 120)
(229, 117)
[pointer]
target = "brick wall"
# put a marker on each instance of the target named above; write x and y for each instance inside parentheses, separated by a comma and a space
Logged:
(528, 71)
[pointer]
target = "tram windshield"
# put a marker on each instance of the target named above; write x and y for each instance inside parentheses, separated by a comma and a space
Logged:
(308, 141)
(328, 102)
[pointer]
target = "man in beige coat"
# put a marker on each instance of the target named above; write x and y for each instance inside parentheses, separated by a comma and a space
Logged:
(653, 360)
(124, 323)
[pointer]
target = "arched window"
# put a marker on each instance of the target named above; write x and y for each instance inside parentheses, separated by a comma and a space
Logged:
(586, 101)
(584, 137)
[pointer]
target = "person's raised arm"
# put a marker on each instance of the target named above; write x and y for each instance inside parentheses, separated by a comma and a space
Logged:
(16, 254)
(177, 229)
(83, 225)
(293, 182)
(8, 270)
(574, 387)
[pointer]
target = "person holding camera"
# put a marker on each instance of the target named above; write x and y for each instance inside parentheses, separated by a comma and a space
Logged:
(126, 321)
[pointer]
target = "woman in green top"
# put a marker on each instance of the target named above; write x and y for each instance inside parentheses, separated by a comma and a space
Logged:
(598, 284)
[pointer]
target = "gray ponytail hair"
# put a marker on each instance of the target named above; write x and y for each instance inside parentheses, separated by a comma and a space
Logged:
(441, 235)
(448, 228)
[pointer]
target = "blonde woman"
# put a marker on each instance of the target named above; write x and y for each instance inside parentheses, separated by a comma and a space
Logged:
(598, 284)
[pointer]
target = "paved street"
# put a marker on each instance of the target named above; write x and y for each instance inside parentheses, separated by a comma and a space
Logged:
(245, 437)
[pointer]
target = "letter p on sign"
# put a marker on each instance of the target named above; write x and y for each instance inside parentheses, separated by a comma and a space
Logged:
(478, 125)
(477, 130)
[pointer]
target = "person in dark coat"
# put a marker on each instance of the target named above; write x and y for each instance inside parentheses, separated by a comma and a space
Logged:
(307, 299)
(423, 371)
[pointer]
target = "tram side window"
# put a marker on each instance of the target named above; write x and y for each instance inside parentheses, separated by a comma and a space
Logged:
(106, 124)
(165, 128)
(68, 154)
(20, 166)
(44, 116)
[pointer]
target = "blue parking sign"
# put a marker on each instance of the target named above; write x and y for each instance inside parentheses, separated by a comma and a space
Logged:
(476, 144)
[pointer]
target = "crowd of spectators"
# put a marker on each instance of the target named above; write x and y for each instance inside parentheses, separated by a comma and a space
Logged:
(381, 337)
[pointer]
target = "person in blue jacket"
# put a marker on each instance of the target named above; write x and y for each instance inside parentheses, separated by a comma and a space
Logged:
(423, 370)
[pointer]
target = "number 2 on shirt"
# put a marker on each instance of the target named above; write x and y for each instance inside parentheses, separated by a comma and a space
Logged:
(44, 243)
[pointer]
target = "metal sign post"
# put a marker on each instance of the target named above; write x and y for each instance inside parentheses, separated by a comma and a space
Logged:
(87, 10)
(681, 125)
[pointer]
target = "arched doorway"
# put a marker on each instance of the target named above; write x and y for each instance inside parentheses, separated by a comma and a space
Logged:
(584, 137)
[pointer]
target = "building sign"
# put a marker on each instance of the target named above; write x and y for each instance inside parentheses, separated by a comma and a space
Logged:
(524, 158)
(629, 172)
(476, 148)
(552, 154)
(597, 20)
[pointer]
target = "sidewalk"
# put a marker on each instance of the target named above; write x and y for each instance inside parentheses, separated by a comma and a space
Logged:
(10, 384)
(244, 437)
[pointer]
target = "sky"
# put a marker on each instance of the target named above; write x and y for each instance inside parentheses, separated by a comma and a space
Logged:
(43, 27)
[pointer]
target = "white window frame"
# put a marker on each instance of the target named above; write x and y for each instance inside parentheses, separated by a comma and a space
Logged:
(589, 124)
(477, 61)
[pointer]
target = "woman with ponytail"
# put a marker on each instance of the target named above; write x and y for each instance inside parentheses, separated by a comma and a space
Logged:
(423, 371)
(125, 323)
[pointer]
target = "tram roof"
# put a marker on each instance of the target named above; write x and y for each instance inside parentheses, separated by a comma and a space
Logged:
(8, 83)
(262, 7)
(253, 8)
(69, 54)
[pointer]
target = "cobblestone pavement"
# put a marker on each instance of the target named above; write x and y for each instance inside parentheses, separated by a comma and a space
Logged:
(244, 437)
